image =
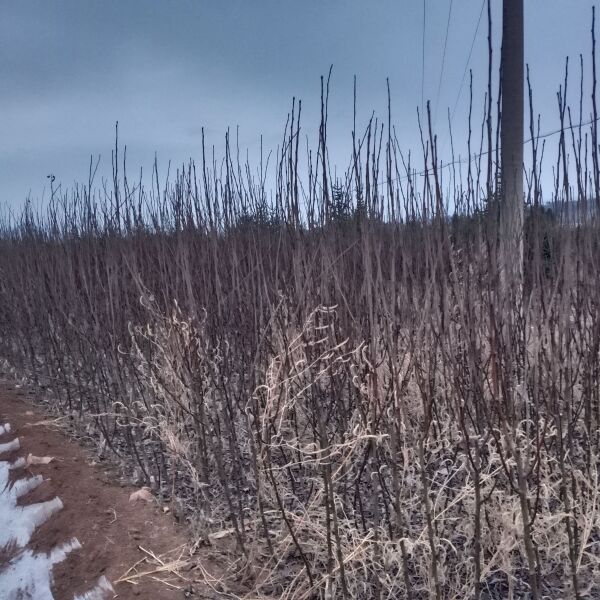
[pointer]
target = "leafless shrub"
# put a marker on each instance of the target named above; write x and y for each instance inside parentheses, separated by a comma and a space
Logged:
(332, 386)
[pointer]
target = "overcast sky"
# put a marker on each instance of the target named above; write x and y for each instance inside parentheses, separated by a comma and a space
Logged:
(69, 69)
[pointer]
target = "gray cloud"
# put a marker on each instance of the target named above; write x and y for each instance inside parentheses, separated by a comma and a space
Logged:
(70, 69)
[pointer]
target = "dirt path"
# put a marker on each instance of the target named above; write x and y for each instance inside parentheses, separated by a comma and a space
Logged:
(96, 511)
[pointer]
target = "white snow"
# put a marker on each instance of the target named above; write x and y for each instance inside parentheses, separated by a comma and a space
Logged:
(11, 446)
(20, 463)
(17, 523)
(101, 591)
(28, 576)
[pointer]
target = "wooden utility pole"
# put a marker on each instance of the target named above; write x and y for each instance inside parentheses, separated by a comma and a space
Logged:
(512, 132)
(511, 243)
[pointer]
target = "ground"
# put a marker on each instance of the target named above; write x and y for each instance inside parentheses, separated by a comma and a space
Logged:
(115, 534)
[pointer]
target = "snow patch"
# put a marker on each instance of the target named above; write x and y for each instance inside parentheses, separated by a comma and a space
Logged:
(20, 463)
(11, 446)
(29, 575)
(17, 523)
(102, 590)
(25, 485)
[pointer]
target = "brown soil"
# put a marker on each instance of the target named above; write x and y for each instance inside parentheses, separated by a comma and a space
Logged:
(97, 511)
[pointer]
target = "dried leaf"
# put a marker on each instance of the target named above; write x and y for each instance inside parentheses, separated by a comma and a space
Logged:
(144, 494)
(38, 460)
(221, 534)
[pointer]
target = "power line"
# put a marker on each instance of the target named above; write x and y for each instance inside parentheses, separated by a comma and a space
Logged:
(423, 55)
(462, 83)
(437, 100)
(462, 161)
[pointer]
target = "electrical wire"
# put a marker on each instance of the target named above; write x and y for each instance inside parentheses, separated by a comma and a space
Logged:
(423, 55)
(462, 161)
(437, 100)
(462, 83)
